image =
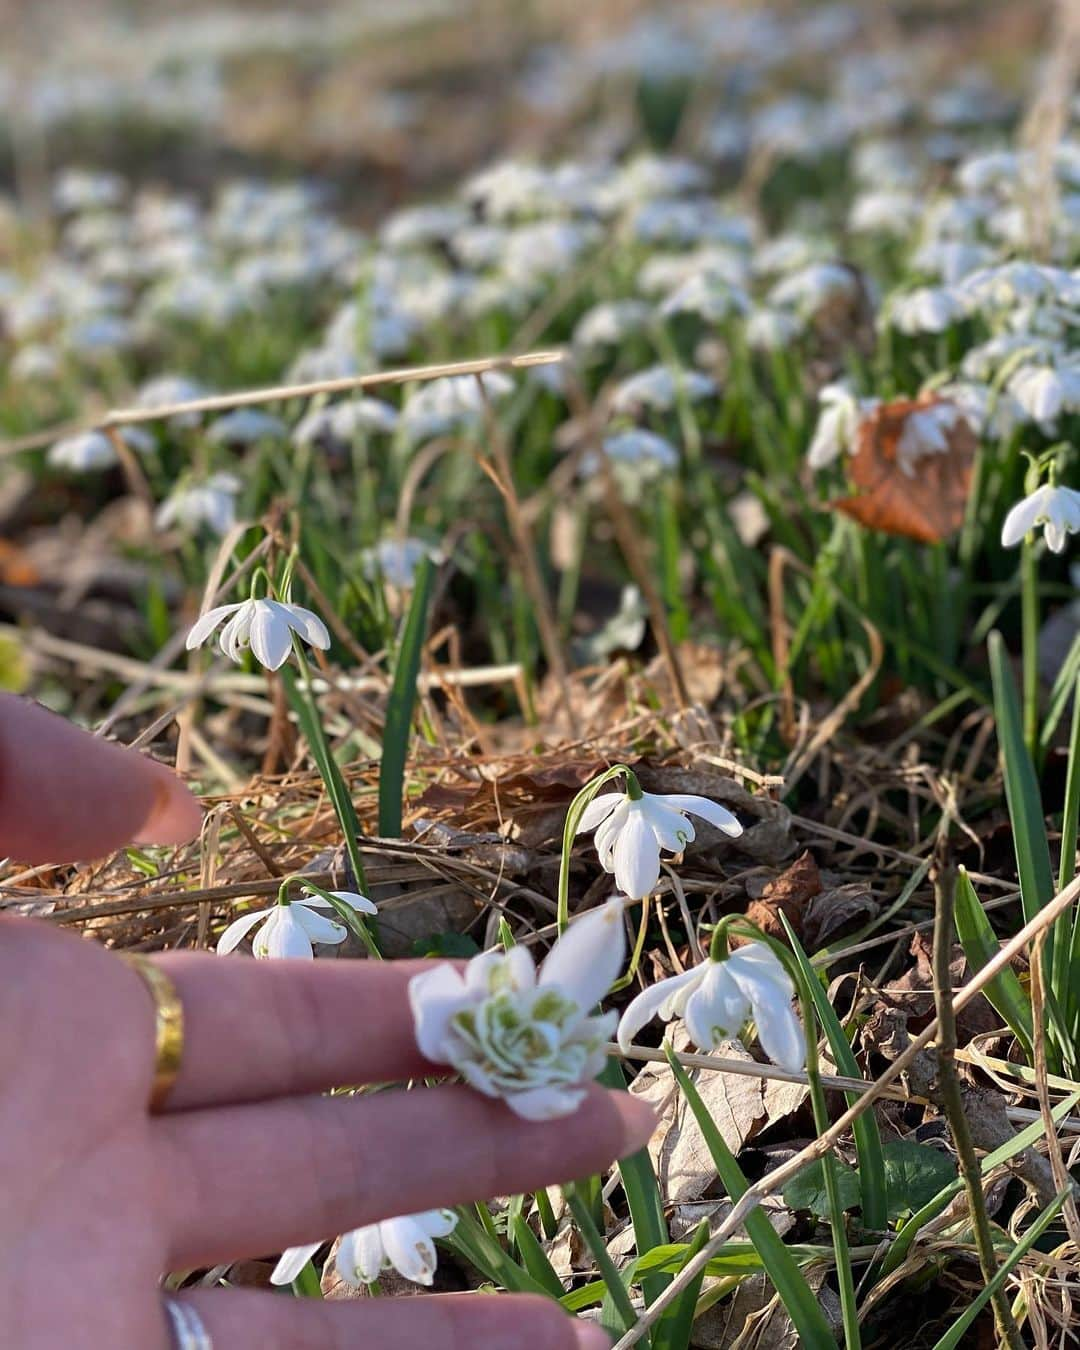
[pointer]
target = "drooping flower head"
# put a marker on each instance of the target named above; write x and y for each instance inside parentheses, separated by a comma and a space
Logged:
(526, 1036)
(1055, 508)
(293, 928)
(633, 827)
(265, 626)
(717, 997)
(405, 1244)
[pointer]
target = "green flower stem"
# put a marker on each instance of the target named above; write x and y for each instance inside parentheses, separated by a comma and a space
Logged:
(1029, 600)
(307, 1284)
(573, 816)
(345, 912)
(595, 1243)
(302, 696)
(848, 1308)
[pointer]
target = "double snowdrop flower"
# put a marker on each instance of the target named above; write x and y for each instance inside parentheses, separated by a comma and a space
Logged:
(292, 928)
(716, 998)
(633, 827)
(405, 1244)
(528, 1037)
(1055, 508)
(265, 626)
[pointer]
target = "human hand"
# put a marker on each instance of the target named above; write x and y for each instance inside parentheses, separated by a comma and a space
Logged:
(101, 1197)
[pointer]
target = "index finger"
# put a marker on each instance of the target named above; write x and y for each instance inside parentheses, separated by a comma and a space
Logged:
(67, 795)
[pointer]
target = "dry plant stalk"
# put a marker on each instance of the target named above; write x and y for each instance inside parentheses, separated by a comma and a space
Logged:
(1047, 120)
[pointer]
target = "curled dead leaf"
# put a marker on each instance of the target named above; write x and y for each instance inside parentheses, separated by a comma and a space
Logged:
(920, 496)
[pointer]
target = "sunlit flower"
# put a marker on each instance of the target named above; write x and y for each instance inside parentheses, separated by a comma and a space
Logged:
(396, 560)
(246, 426)
(405, 1244)
(716, 998)
(1055, 508)
(526, 1037)
(291, 929)
(837, 424)
(94, 449)
(631, 832)
(264, 626)
(661, 388)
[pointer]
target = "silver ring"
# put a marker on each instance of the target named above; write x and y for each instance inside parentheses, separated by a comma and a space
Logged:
(188, 1330)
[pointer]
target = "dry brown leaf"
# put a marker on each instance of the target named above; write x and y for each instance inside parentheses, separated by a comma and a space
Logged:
(927, 504)
(740, 1108)
(789, 895)
(16, 569)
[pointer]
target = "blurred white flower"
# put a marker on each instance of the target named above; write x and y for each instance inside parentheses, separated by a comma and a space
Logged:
(1045, 392)
(1055, 508)
(928, 309)
(452, 403)
(716, 998)
(291, 929)
(94, 450)
(266, 626)
(837, 424)
(396, 560)
(926, 432)
(770, 330)
(631, 832)
(610, 323)
(404, 1244)
(530, 1039)
(211, 503)
(245, 426)
(660, 387)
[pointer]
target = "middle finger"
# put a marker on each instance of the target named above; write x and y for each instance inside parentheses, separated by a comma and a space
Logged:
(246, 1180)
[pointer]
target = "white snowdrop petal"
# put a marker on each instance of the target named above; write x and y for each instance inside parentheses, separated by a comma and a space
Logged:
(409, 1249)
(204, 626)
(292, 1262)
(434, 997)
(652, 1002)
(708, 810)
(636, 856)
(545, 1103)
(587, 959)
(238, 930)
(598, 810)
(270, 637)
(360, 1256)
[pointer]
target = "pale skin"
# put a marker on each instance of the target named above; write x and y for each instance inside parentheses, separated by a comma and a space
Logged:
(101, 1198)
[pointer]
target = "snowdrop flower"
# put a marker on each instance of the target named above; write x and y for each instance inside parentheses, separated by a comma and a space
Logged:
(660, 387)
(396, 561)
(1045, 392)
(608, 324)
(707, 296)
(837, 424)
(94, 450)
(264, 626)
(813, 287)
(404, 1244)
(927, 309)
(245, 426)
(211, 503)
(887, 212)
(165, 390)
(770, 330)
(926, 432)
(1055, 508)
(715, 998)
(290, 929)
(631, 831)
(526, 1037)
(452, 402)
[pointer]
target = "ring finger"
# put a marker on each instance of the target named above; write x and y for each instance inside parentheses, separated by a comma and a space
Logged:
(246, 1180)
(245, 1320)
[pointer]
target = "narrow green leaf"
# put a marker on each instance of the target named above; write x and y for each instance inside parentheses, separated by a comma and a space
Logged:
(1071, 815)
(788, 1280)
(534, 1258)
(675, 1328)
(399, 709)
(954, 1334)
(617, 1301)
(981, 944)
(642, 1196)
(479, 1248)
(865, 1130)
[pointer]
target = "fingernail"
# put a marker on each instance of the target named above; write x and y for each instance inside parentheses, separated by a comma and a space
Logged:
(174, 817)
(592, 1337)
(638, 1121)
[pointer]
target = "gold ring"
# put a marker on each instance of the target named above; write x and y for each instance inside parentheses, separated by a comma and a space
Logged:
(168, 1025)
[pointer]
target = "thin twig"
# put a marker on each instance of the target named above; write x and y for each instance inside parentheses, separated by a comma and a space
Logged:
(1058, 1170)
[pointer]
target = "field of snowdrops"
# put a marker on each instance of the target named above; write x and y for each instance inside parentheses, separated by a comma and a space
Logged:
(608, 519)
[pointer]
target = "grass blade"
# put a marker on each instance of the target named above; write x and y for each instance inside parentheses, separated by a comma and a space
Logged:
(534, 1258)
(980, 944)
(788, 1280)
(954, 1334)
(675, 1328)
(399, 709)
(865, 1130)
